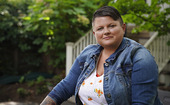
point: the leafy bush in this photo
(34, 32)
(57, 22)
(17, 52)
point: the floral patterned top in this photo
(91, 90)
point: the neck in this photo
(107, 52)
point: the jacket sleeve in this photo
(144, 78)
(66, 88)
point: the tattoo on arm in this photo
(48, 101)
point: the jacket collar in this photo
(96, 53)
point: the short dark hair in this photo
(108, 11)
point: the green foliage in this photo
(31, 29)
(38, 86)
(21, 80)
(22, 92)
(11, 29)
(146, 17)
(57, 78)
(57, 22)
(30, 83)
(40, 79)
(41, 89)
(15, 42)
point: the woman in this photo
(116, 71)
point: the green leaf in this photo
(27, 18)
(45, 46)
(21, 80)
(44, 18)
(35, 27)
(79, 10)
(38, 41)
(24, 46)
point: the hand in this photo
(48, 101)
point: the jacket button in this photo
(106, 78)
(108, 95)
(106, 64)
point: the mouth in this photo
(108, 37)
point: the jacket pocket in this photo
(123, 74)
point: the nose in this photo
(106, 31)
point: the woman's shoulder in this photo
(90, 48)
(133, 45)
(132, 42)
(88, 51)
(136, 48)
(138, 51)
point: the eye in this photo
(112, 25)
(98, 29)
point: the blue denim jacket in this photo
(130, 76)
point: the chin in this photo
(107, 45)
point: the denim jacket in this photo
(130, 75)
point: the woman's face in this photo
(108, 32)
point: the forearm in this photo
(48, 101)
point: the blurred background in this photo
(34, 34)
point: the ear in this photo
(124, 26)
